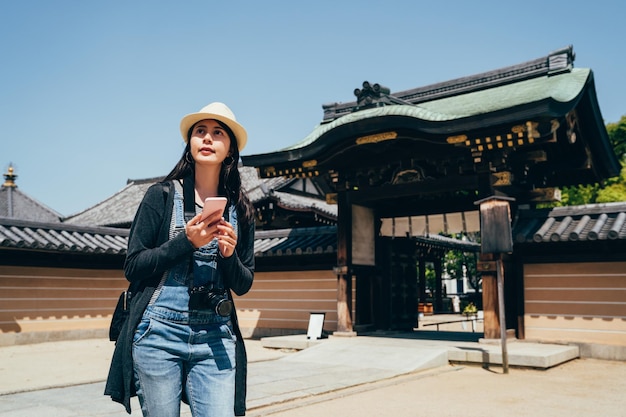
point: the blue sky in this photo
(92, 92)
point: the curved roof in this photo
(542, 97)
(561, 88)
(443, 120)
(535, 125)
(303, 203)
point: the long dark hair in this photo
(230, 179)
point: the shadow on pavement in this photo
(429, 335)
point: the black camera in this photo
(204, 298)
(208, 290)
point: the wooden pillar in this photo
(491, 313)
(438, 283)
(343, 269)
(495, 239)
(344, 304)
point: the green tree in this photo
(613, 189)
(617, 136)
(458, 264)
(577, 195)
(431, 277)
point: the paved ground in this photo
(362, 376)
(581, 388)
(74, 362)
(66, 378)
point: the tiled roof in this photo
(299, 202)
(18, 205)
(100, 228)
(556, 62)
(564, 87)
(63, 238)
(446, 243)
(59, 237)
(257, 188)
(119, 209)
(323, 239)
(302, 241)
(589, 222)
(116, 211)
(562, 224)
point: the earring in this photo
(188, 157)
(228, 161)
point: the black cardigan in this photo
(151, 253)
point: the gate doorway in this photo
(399, 290)
(396, 281)
(440, 149)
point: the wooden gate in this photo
(396, 302)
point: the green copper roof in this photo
(409, 111)
(563, 88)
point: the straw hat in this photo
(215, 111)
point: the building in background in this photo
(347, 217)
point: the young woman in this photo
(181, 340)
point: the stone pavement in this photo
(66, 378)
(578, 388)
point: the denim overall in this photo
(180, 352)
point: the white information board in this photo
(316, 324)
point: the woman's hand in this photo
(201, 232)
(226, 238)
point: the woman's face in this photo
(209, 143)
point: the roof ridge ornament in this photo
(561, 60)
(371, 95)
(9, 178)
(556, 62)
(375, 95)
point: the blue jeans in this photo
(173, 353)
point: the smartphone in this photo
(213, 204)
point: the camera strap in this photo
(189, 198)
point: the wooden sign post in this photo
(496, 239)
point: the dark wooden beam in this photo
(435, 186)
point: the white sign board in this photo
(316, 324)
